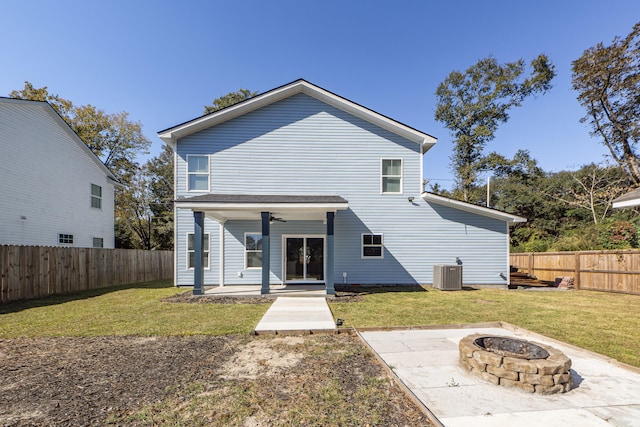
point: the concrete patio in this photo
(605, 393)
(304, 290)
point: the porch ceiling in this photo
(224, 207)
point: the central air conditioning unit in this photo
(447, 277)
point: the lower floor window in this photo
(253, 250)
(191, 255)
(372, 245)
(65, 238)
(98, 242)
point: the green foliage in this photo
(618, 234)
(472, 105)
(607, 79)
(228, 100)
(160, 174)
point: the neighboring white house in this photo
(627, 200)
(53, 190)
(320, 190)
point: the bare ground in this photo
(232, 380)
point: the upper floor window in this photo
(198, 173)
(391, 176)
(191, 253)
(96, 196)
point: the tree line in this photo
(567, 210)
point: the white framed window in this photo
(391, 176)
(372, 245)
(98, 242)
(65, 239)
(191, 254)
(96, 196)
(252, 250)
(197, 173)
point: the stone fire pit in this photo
(511, 362)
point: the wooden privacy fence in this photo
(612, 271)
(28, 272)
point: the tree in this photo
(228, 100)
(472, 105)
(607, 79)
(592, 188)
(159, 172)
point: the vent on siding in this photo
(447, 277)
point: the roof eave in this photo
(468, 207)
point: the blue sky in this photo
(162, 61)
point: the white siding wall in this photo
(46, 177)
(303, 146)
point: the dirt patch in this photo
(237, 380)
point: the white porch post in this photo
(221, 255)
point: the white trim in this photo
(199, 173)
(468, 207)
(175, 220)
(221, 254)
(382, 159)
(171, 135)
(244, 250)
(626, 203)
(284, 257)
(372, 245)
(207, 250)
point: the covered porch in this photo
(314, 252)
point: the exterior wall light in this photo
(410, 198)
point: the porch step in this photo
(297, 314)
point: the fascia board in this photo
(626, 204)
(472, 208)
(262, 207)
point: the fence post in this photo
(576, 280)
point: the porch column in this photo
(198, 253)
(328, 280)
(266, 258)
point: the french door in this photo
(304, 258)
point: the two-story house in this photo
(53, 190)
(300, 185)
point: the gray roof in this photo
(262, 198)
(631, 195)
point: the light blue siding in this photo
(301, 146)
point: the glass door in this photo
(304, 259)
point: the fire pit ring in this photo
(512, 362)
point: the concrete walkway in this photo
(297, 314)
(606, 393)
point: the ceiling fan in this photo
(273, 218)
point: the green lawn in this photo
(606, 323)
(130, 310)
(602, 322)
